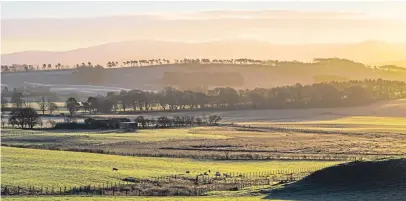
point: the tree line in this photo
(134, 63)
(18, 101)
(151, 62)
(329, 94)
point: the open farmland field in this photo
(61, 107)
(131, 198)
(256, 142)
(204, 198)
(386, 109)
(29, 167)
(91, 137)
(351, 124)
(347, 137)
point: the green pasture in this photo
(34, 167)
(203, 198)
(69, 137)
(347, 124)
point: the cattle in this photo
(115, 169)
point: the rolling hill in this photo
(381, 180)
(365, 52)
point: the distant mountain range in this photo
(369, 52)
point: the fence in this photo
(174, 185)
(221, 154)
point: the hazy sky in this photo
(61, 9)
(62, 26)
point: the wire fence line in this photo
(221, 154)
(173, 185)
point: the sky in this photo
(63, 26)
(61, 9)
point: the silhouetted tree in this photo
(17, 99)
(42, 104)
(72, 105)
(52, 107)
(24, 117)
(4, 103)
(331, 94)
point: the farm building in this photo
(128, 125)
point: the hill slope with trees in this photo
(197, 75)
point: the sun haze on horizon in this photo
(52, 26)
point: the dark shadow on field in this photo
(381, 180)
(50, 141)
(70, 131)
(348, 196)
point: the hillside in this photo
(381, 180)
(195, 76)
(366, 52)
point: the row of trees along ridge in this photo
(152, 62)
(331, 94)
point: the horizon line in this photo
(214, 41)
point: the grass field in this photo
(106, 198)
(351, 136)
(351, 123)
(255, 133)
(386, 109)
(94, 137)
(256, 198)
(61, 107)
(25, 167)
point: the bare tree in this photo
(4, 103)
(42, 104)
(52, 107)
(24, 117)
(17, 99)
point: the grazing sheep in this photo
(115, 169)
